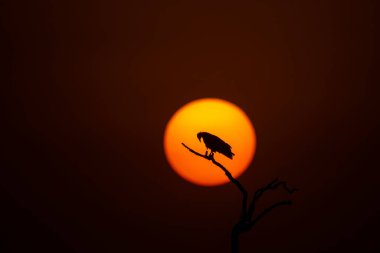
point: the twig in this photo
(267, 210)
(271, 186)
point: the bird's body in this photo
(215, 144)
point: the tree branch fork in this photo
(247, 219)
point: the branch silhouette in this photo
(247, 219)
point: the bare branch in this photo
(286, 187)
(230, 177)
(195, 152)
(266, 211)
(246, 222)
(271, 186)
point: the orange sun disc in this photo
(220, 118)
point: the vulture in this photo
(215, 144)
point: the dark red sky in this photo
(88, 89)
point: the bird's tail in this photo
(230, 155)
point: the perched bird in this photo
(215, 144)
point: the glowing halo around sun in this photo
(218, 117)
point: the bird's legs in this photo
(211, 153)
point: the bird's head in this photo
(200, 135)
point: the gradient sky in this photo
(90, 85)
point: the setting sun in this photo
(220, 118)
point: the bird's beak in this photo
(199, 138)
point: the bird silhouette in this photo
(215, 144)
